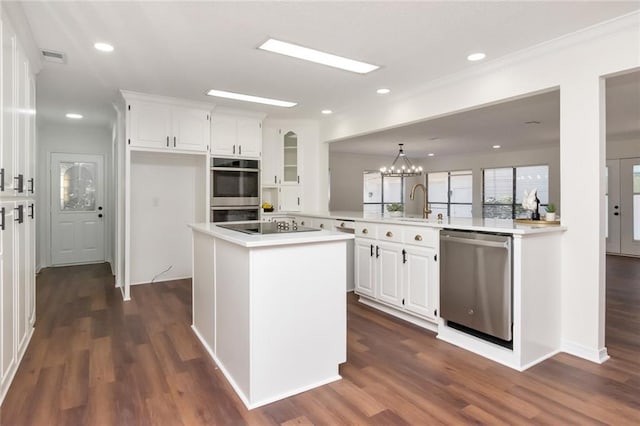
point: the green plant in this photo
(551, 208)
(395, 207)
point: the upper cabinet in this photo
(236, 135)
(281, 163)
(165, 124)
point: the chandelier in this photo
(401, 166)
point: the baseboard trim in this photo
(399, 314)
(576, 349)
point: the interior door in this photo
(77, 213)
(613, 206)
(630, 206)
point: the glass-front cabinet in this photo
(290, 158)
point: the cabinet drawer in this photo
(366, 230)
(390, 233)
(425, 237)
(344, 224)
(326, 224)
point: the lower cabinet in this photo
(403, 275)
(17, 285)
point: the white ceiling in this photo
(182, 49)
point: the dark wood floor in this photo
(95, 360)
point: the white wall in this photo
(167, 194)
(346, 173)
(74, 138)
(576, 64)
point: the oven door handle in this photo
(235, 208)
(234, 169)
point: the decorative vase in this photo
(550, 216)
(395, 214)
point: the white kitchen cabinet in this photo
(289, 198)
(159, 123)
(270, 165)
(396, 266)
(236, 136)
(389, 273)
(320, 223)
(364, 267)
(419, 277)
(17, 230)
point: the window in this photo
(378, 191)
(450, 193)
(504, 188)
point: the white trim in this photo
(293, 392)
(161, 280)
(137, 96)
(594, 355)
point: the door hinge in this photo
(403, 302)
(298, 200)
(207, 117)
(435, 313)
(2, 224)
(435, 257)
(2, 179)
(129, 107)
(260, 125)
(129, 141)
(279, 131)
(404, 256)
(298, 179)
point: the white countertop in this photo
(252, 240)
(508, 226)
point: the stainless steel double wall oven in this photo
(235, 189)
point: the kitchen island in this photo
(271, 309)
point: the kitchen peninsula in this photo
(271, 309)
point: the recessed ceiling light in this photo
(476, 56)
(496, 147)
(326, 111)
(383, 91)
(431, 154)
(250, 98)
(312, 55)
(73, 115)
(103, 47)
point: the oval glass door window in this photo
(77, 186)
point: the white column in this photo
(582, 153)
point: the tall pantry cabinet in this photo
(17, 202)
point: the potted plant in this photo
(551, 212)
(395, 209)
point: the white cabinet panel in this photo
(364, 267)
(419, 273)
(290, 199)
(223, 135)
(249, 137)
(389, 288)
(9, 108)
(270, 157)
(21, 273)
(190, 129)
(149, 124)
(7, 293)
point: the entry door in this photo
(77, 214)
(623, 231)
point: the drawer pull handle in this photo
(365, 231)
(418, 237)
(389, 234)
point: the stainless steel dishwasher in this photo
(475, 284)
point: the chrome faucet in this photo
(425, 207)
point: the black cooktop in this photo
(267, 228)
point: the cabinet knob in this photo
(342, 225)
(365, 231)
(389, 234)
(322, 226)
(302, 223)
(418, 237)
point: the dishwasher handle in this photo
(474, 242)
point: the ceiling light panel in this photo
(476, 56)
(326, 111)
(103, 47)
(250, 98)
(383, 91)
(312, 55)
(73, 116)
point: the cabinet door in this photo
(389, 288)
(7, 293)
(20, 141)
(290, 157)
(20, 267)
(365, 267)
(31, 265)
(290, 199)
(9, 108)
(149, 124)
(271, 158)
(190, 129)
(420, 281)
(249, 137)
(31, 156)
(223, 135)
